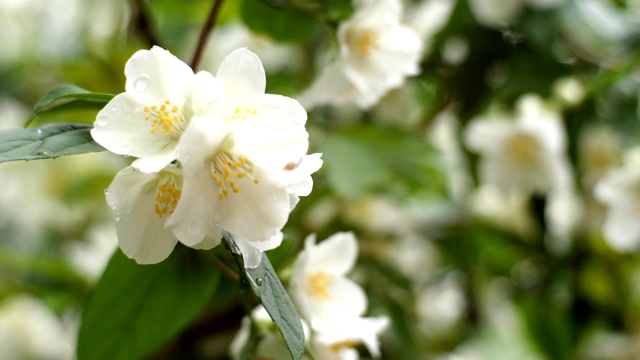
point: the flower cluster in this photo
(212, 151)
(331, 305)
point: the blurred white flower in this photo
(427, 18)
(230, 36)
(441, 305)
(377, 53)
(599, 151)
(332, 303)
(564, 213)
(162, 95)
(569, 90)
(245, 165)
(510, 211)
(620, 191)
(526, 154)
(495, 13)
(90, 257)
(270, 344)
(30, 330)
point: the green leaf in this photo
(82, 98)
(49, 141)
(70, 92)
(135, 309)
(266, 286)
(284, 24)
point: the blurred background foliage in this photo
(463, 272)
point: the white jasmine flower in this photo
(30, 330)
(377, 53)
(620, 191)
(270, 344)
(161, 96)
(245, 164)
(525, 155)
(143, 204)
(332, 303)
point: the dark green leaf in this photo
(69, 92)
(282, 24)
(266, 286)
(135, 309)
(79, 99)
(47, 142)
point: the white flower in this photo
(270, 344)
(30, 330)
(162, 95)
(620, 191)
(377, 53)
(502, 12)
(332, 303)
(526, 155)
(143, 204)
(245, 164)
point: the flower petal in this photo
(258, 211)
(141, 232)
(242, 76)
(201, 140)
(193, 218)
(336, 255)
(156, 75)
(270, 143)
(121, 128)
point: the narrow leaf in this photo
(46, 142)
(69, 92)
(266, 286)
(135, 309)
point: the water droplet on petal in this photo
(106, 191)
(118, 216)
(102, 121)
(259, 281)
(39, 132)
(141, 83)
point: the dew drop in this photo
(118, 216)
(141, 83)
(106, 191)
(259, 281)
(43, 153)
(102, 121)
(39, 132)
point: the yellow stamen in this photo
(226, 168)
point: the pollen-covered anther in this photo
(319, 284)
(362, 41)
(168, 194)
(165, 119)
(242, 114)
(227, 169)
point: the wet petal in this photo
(156, 75)
(141, 232)
(121, 128)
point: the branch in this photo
(207, 29)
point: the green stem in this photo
(206, 31)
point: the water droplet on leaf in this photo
(259, 281)
(141, 83)
(42, 153)
(39, 132)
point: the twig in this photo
(207, 29)
(141, 25)
(226, 271)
